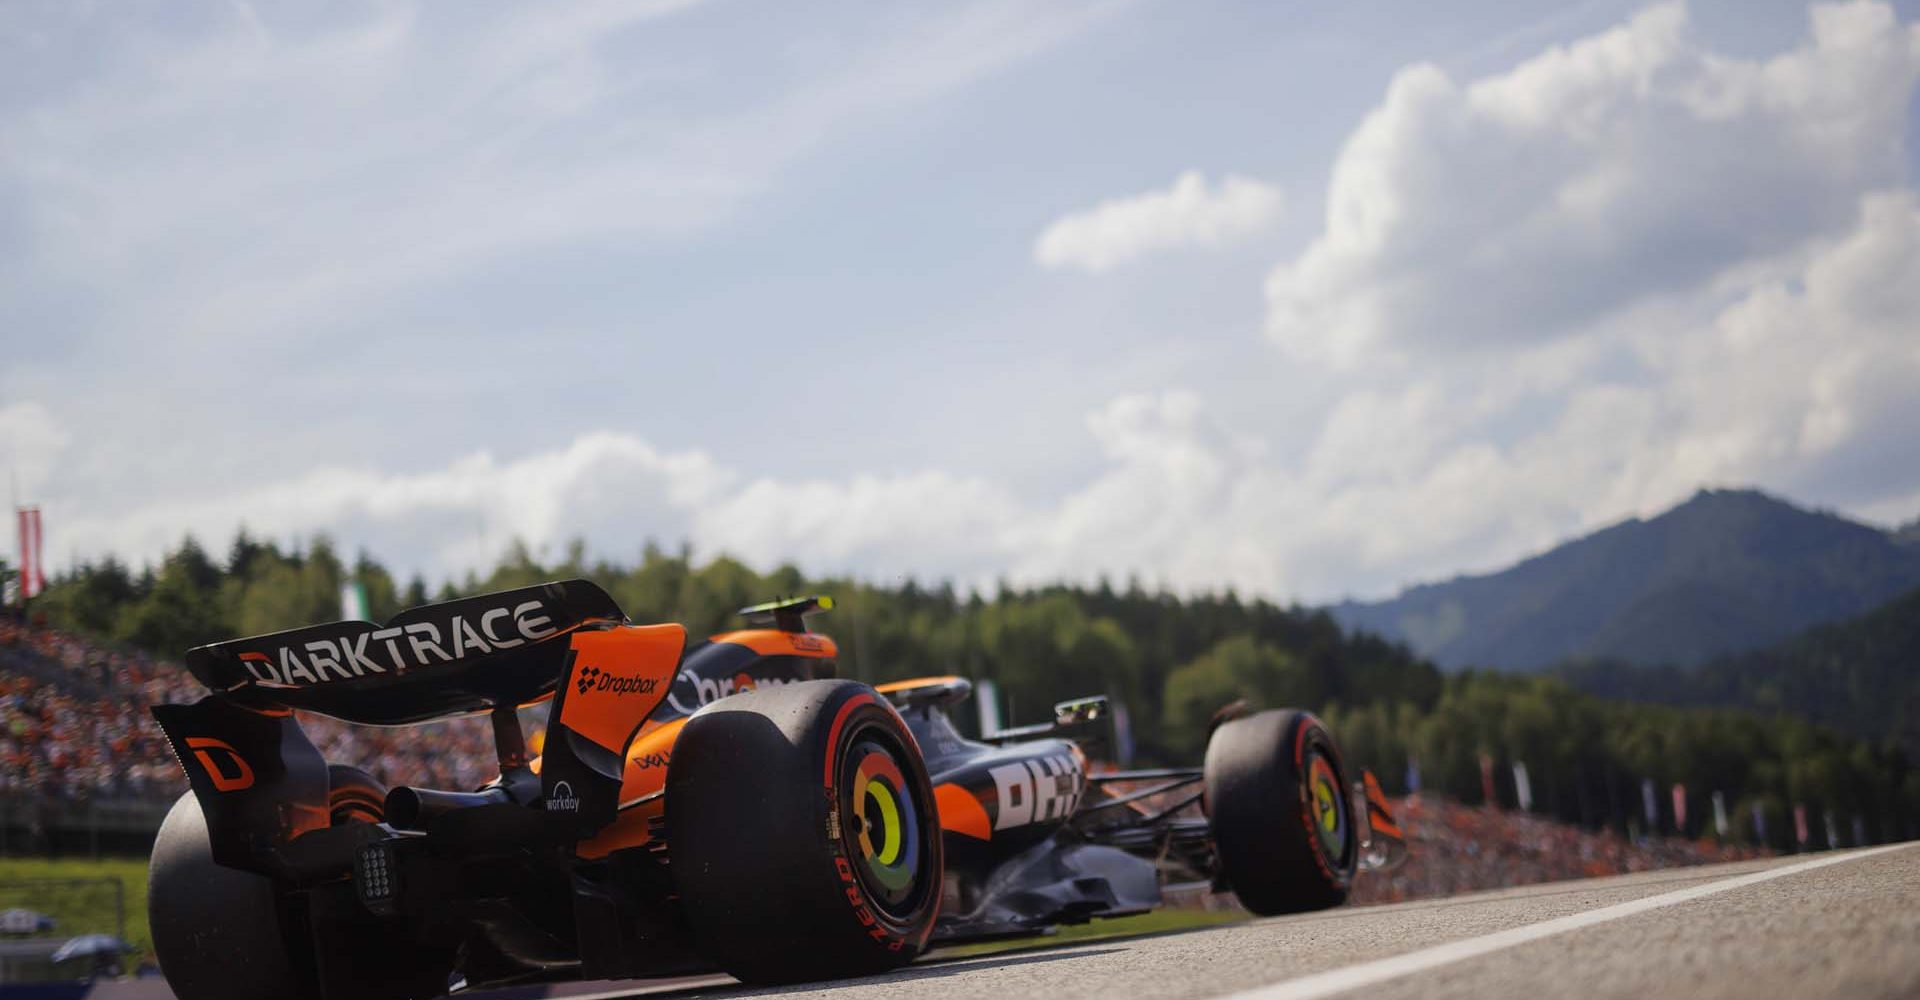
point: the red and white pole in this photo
(33, 573)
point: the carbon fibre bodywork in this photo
(1017, 862)
(559, 868)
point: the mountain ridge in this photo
(1855, 675)
(1725, 571)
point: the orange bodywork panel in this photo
(641, 792)
(960, 812)
(644, 779)
(908, 685)
(619, 675)
(774, 642)
(1379, 817)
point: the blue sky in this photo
(1307, 299)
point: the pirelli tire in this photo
(802, 834)
(1281, 818)
(216, 930)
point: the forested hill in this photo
(1726, 571)
(1860, 676)
(1172, 660)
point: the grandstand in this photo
(86, 770)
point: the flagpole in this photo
(13, 505)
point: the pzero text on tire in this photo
(1280, 813)
(802, 834)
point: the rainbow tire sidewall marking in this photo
(886, 821)
(889, 839)
(1328, 806)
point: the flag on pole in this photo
(33, 564)
(1650, 800)
(1759, 823)
(353, 602)
(1859, 831)
(1833, 831)
(1720, 815)
(1486, 781)
(1413, 774)
(1680, 809)
(987, 700)
(1800, 834)
(1522, 788)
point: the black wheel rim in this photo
(1327, 808)
(885, 822)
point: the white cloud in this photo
(613, 488)
(1156, 508)
(1816, 373)
(882, 525)
(1697, 270)
(30, 443)
(1186, 214)
(1624, 167)
(1802, 385)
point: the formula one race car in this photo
(722, 805)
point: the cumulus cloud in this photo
(868, 523)
(614, 488)
(1801, 384)
(1697, 270)
(1816, 372)
(1626, 166)
(1186, 214)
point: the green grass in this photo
(1157, 922)
(79, 909)
(82, 910)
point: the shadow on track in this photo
(912, 973)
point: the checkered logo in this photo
(586, 679)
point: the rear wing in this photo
(429, 662)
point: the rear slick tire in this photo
(216, 930)
(1282, 819)
(802, 835)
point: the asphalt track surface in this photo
(1841, 924)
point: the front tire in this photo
(802, 833)
(1282, 820)
(216, 930)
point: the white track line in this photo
(1325, 984)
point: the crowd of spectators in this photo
(1456, 848)
(74, 725)
(457, 753)
(74, 722)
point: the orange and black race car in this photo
(720, 805)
